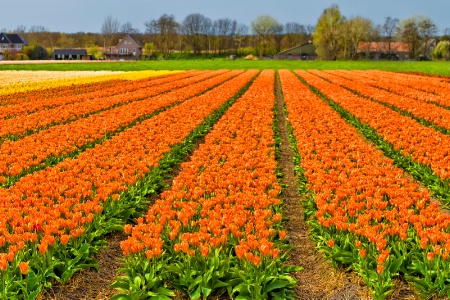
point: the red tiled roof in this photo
(382, 47)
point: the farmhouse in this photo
(11, 44)
(62, 54)
(380, 50)
(128, 48)
(306, 51)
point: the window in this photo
(5, 46)
(123, 50)
(18, 46)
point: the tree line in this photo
(338, 37)
(335, 36)
(165, 36)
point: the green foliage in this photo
(149, 49)
(326, 38)
(35, 52)
(95, 51)
(442, 51)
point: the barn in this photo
(306, 51)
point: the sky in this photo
(88, 15)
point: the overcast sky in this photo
(88, 15)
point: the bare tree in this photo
(110, 28)
(278, 35)
(225, 29)
(127, 28)
(388, 29)
(38, 28)
(196, 29)
(427, 29)
(408, 32)
(310, 29)
(241, 33)
(165, 30)
(21, 29)
(37, 34)
(417, 30)
(295, 34)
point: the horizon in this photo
(88, 17)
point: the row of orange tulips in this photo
(423, 144)
(368, 213)
(430, 89)
(429, 112)
(223, 203)
(49, 208)
(107, 89)
(418, 89)
(39, 82)
(21, 125)
(66, 91)
(18, 156)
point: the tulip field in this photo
(87, 154)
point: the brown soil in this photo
(90, 284)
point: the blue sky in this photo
(88, 15)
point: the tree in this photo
(264, 27)
(427, 29)
(95, 51)
(225, 30)
(127, 28)
(36, 34)
(415, 31)
(278, 35)
(241, 33)
(358, 29)
(35, 52)
(109, 29)
(442, 50)
(196, 29)
(446, 35)
(295, 34)
(408, 32)
(388, 30)
(21, 29)
(165, 31)
(149, 49)
(326, 36)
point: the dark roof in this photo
(306, 48)
(12, 38)
(70, 52)
(134, 39)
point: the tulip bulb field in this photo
(186, 164)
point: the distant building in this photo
(306, 51)
(380, 50)
(425, 50)
(11, 44)
(65, 54)
(128, 48)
